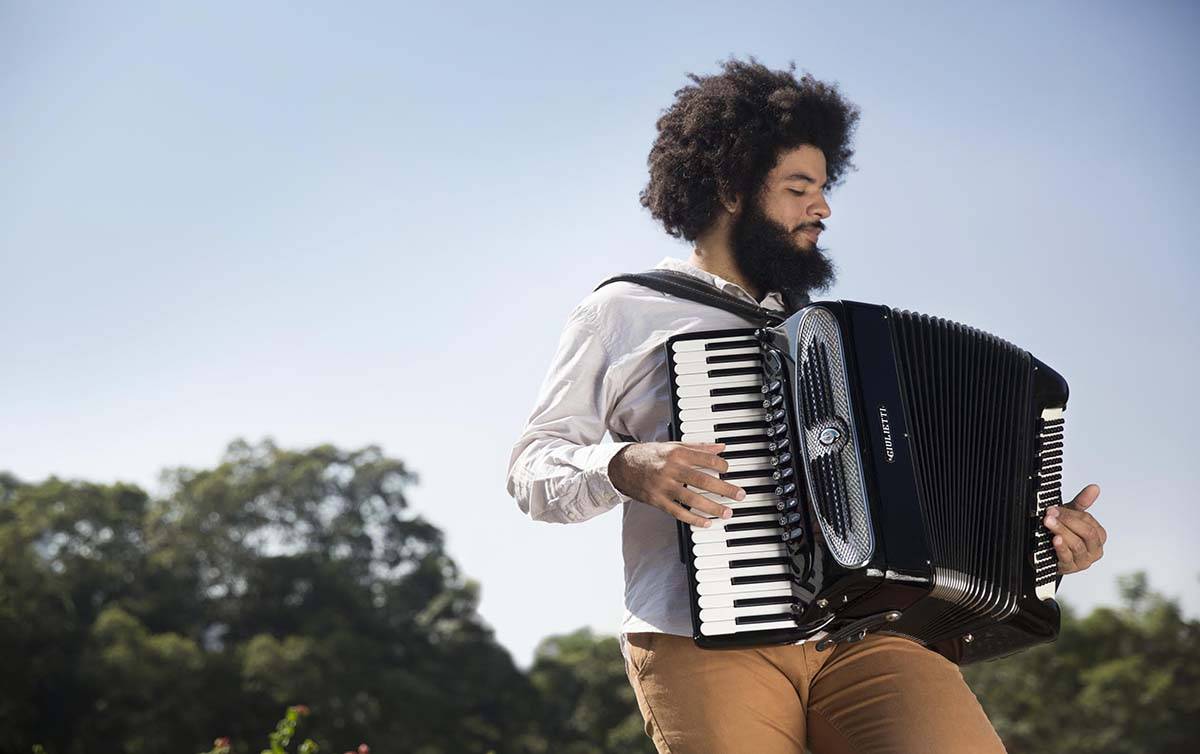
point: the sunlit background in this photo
(367, 223)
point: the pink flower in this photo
(223, 741)
(301, 709)
(364, 749)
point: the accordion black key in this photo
(897, 468)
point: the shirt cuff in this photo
(599, 484)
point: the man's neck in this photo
(715, 257)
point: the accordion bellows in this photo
(897, 468)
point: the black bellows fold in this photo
(967, 394)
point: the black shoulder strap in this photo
(685, 286)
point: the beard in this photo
(771, 258)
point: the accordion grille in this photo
(968, 398)
(835, 476)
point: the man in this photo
(740, 169)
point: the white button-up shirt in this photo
(609, 374)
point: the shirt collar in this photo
(771, 301)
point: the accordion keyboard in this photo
(1049, 493)
(726, 392)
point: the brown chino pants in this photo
(883, 694)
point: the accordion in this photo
(897, 468)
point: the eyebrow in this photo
(801, 177)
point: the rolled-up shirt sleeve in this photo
(558, 470)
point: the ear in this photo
(731, 204)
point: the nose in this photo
(821, 208)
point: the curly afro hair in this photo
(725, 133)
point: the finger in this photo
(679, 512)
(1066, 558)
(701, 480)
(699, 502)
(707, 447)
(696, 456)
(1070, 547)
(703, 447)
(1083, 524)
(1085, 498)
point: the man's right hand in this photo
(656, 473)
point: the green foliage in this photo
(281, 737)
(145, 625)
(588, 704)
(1120, 681)
(137, 625)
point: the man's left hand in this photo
(1078, 537)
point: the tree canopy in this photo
(1121, 680)
(279, 576)
(138, 624)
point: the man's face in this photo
(774, 237)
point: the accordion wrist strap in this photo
(685, 286)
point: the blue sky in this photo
(367, 225)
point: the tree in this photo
(588, 706)
(279, 576)
(1122, 680)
